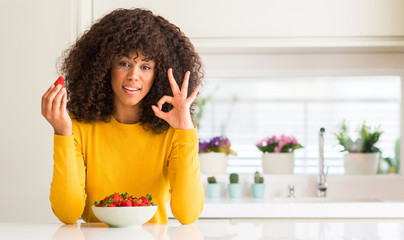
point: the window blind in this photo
(247, 110)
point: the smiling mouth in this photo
(130, 90)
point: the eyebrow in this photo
(145, 59)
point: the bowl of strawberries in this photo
(123, 210)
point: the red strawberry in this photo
(110, 205)
(99, 205)
(126, 202)
(116, 199)
(136, 202)
(60, 81)
(107, 200)
(145, 200)
(144, 204)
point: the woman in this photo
(124, 121)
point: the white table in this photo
(214, 229)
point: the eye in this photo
(124, 64)
(145, 67)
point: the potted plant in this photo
(214, 188)
(213, 155)
(258, 187)
(235, 188)
(362, 155)
(278, 154)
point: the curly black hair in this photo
(86, 65)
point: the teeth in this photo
(131, 89)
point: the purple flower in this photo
(216, 144)
(203, 146)
(221, 142)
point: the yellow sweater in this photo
(102, 158)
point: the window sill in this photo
(386, 187)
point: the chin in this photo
(132, 102)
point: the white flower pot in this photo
(213, 163)
(361, 163)
(278, 163)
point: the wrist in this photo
(66, 132)
(185, 126)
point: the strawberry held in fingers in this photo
(60, 81)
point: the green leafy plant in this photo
(212, 180)
(365, 141)
(233, 178)
(258, 178)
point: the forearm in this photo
(187, 195)
(67, 194)
(187, 198)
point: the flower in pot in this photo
(213, 155)
(214, 188)
(278, 154)
(258, 187)
(235, 188)
(362, 155)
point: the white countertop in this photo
(212, 229)
(301, 208)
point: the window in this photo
(249, 109)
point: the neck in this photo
(125, 119)
(127, 114)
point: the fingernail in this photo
(59, 86)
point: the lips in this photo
(131, 89)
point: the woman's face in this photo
(131, 79)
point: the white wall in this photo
(33, 35)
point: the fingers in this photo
(51, 100)
(164, 99)
(63, 105)
(194, 94)
(159, 113)
(56, 103)
(44, 97)
(173, 83)
(184, 88)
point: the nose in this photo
(133, 73)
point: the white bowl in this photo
(124, 216)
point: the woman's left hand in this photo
(179, 116)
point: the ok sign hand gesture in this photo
(179, 116)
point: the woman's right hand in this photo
(54, 110)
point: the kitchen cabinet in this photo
(273, 18)
(234, 26)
